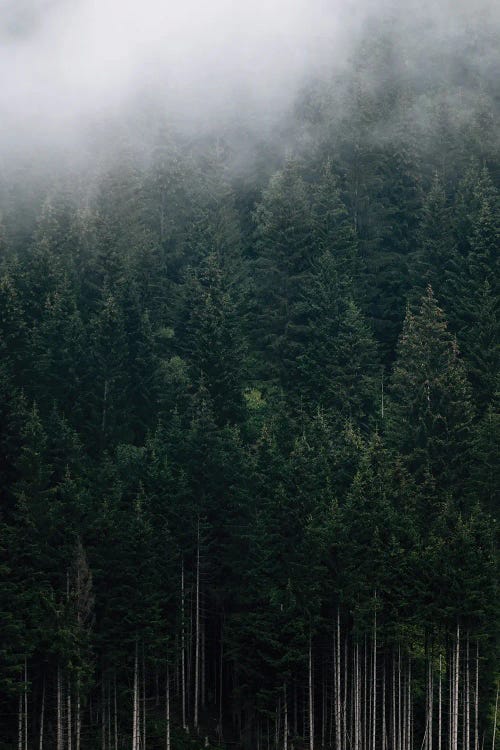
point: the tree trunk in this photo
(440, 703)
(285, 726)
(495, 717)
(338, 697)
(455, 693)
(42, 718)
(20, 723)
(311, 699)
(144, 713)
(78, 718)
(25, 698)
(197, 631)
(59, 730)
(103, 713)
(115, 712)
(374, 679)
(476, 702)
(135, 717)
(167, 711)
(467, 698)
(183, 649)
(69, 719)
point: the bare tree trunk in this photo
(430, 702)
(467, 698)
(338, 729)
(495, 717)
(203, 667)
(384, 721)
(394, 722)
(365, 697)
(167, 711)
(285, 724)
(476, 702)
(183, 649)
(20, 723)
(59, 731)
(143, 700)
(440, 706)
(42, 718)
(103, 713)
(69, 719)
(408, 729)
(399, 701)
(374, 678)
(311, 698)
(455, 694)
(344, 702)
(135, 718)
(78, 718)
(25, 695)
(323, 710)
(115, 711)
(451, 680)
(221, 672)
(197, 633)
(357, 707)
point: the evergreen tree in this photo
(430, 411)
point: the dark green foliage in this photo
(220, 441)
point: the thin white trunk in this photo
(365, 697)
(78, 720)
(183, 649)
(42, 717)
(440, 703)
(285, 726)
(408, 729)
(143, 701)
(167, 712)
(455, 694)
(69, 717)
(357, 729)
(20, 723)
(135, 718)
(103, 713)
(115, 702)
(323, 711)
(59, 730)
(476, 702)
(311, 699)
(467, 698)
(400, 734)
(344, 699)
(337, 687)
(430, 702)
(203, 667)
(495, 717)
(374, 679)
(25, 696)
(394, 723)
(197, 631)
(384, 723)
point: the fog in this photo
(70, 65)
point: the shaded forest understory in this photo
(249, 431)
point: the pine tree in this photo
(284, 253)
(430, 411)
(211, 340)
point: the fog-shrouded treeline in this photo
(249, 425)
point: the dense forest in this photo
(249, 424)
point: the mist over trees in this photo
(249, 417)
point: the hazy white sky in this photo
(65, 64)
(63, 60)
